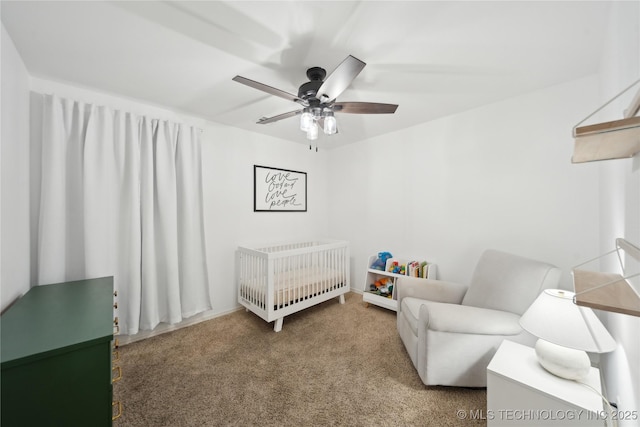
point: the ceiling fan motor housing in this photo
(309, 90)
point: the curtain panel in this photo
(121, 195)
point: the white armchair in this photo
(451, 331)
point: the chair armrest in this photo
(464, 319)
(432, 290)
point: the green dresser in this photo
(56, 356)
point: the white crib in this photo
(279, 280)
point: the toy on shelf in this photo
(381, 262)
(382, 286)
(397, 268)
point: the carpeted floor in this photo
(331, 365)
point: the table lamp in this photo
(565, 333)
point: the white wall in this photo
(620, 203)
(498, 177)
(228, 158)
(15, 250)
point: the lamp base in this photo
(562, 361)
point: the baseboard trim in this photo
(165, 327)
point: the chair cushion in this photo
(507, 282)
(460, 319)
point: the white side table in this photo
(520, 392)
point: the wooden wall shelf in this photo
(617, 139)
(605, 141)
(608, 291)
(616, 296)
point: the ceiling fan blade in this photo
(265, 120)
(270, 90)
(364, 108)
(340, 79)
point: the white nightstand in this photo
(521, 392)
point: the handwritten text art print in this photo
(279, 190)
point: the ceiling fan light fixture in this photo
(312, 132)
(330, 124)
(306, 120)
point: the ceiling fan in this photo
(318, 98)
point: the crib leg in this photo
(341, 298)
(277, 327)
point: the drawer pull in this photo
(115, 304)
(115, 417)
(115, 357)
(115, 320)
(116, 330)
(119, 377)
(116, 344)
(115, 293)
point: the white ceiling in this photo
(433, 58)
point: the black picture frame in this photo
(279, 190)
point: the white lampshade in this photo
(565, 332)
(555, 318)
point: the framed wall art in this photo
(279, 190)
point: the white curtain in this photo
(121, 196)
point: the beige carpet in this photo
(330, 365)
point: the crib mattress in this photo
(293, 285)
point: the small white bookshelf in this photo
(426, 270)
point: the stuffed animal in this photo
(381, 262)
(382, 282)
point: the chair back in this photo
(507, 282)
